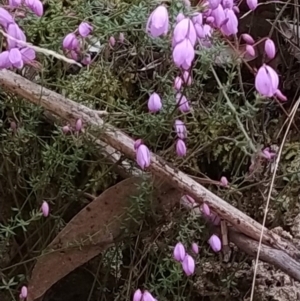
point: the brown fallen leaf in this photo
(90, 232)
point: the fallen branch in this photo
(116, 139)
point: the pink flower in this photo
(14, 3)
(183, 103)
(177, 83)
(219, 16)
(266, 81)
(215, 243)
(180, 148)
(36, 6)
(137, 295)
(154, 103)
(180, 129)
(205, 209)
(198, 19)
(270, 49)
(45, 208)
(195, 248)
(179, 252)
(213, 4)
(179, 17)
(78, 125)
(158, 22)
(143, 156)
(70, 42)
(112, 41)
(187, 78)
(268, 154)
(24, 292)
(15, 31)
(228, 4)
(85, 29)
(15, 58)
(188, 265)
(28, 54)
(184, 30)
(224, 181)
(247, 38)
(250, 50)
(231, 26)
(184, 54)
(5, 18)
(4, 60)
(252, 4)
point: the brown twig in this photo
(116, 139)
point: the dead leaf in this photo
(90, 232)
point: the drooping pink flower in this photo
(215, 243)
(85, 29)
(15, 58)
(15, 31)
(247, 38)
(5, 18)
(266, 81)
(70, 42)
(270, 48)
(188, 265)
(187, 78)
(14, 3)
(177, 83)
(195, 248)
(180, 148)
(179, 252)
(183, 103)
(45, 208)
(24, 292)
(184, 30)
(252, 4)
(180, 128)
(250, 50)
(205, 209)
(154, 103)
(36, 6)
(183, 54)
(143, 156)
(219, 16)
(137, 296)
(213, 4)
(28, 54)
(231, 26)
(158, 22)
(224, 181)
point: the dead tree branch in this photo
(117, 140)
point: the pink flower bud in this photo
(85, 29)
(78, 125)
(70, 42)
(16, 32)
(266, 81)
(188, 265)
(158, 22)
(180, 148)
(215, 243)
(15, 58)
(250, 50)
(187, 78)
(228, 3)
(231, 26)
(45, 208)
(197, 19)
(184, 30)
(137, 143)
(183, 103)
(280, 96)
(270, 48)
(66, 129)
(247, 38)
(179, 17)
(219, 15)
(143, 156)
(195, 248)
(36, 6)
(205, 209)
(177, 83)
(252, 4)
(137, 295)
(154, 103)
(179, 252)
(180, 128)
(112, 41)
(24, 292)
(14, 3)
(224, 181)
